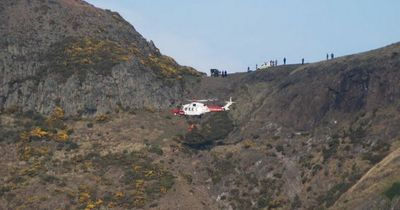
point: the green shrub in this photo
(154, 148)
(216, 127)
(393, 191)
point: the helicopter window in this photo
(185, 109)
(194, 104)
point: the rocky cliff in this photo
(68, 53)
(314, 136)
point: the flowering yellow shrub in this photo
(90, 206)
(84, 197)
(99, 202)
(149, 173)
(24, 135)
(111, 205)
(248, 144)
(90, 51)
(119, 194)
(42, 151)
(139, 184)
(136, 168)
(102, 118)
(139, 201)
(169, 67)
(26, 153)
(163, 190)
(58, 113)
(62, 136)
(38, 132)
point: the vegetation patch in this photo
(141, 181)
(393, 191)
(214, 128)
(167, 67)
(80, 55)
(333, 194)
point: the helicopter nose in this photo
(175, 111)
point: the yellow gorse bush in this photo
(84, 197)
(139, 184)
(90, 206)
(38, 132)
(62, 136)
(89, 51)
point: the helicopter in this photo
(198, 108)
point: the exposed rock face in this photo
(87, 60)
(320, 128)
(315, 93)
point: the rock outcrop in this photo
(68, 53)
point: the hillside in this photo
(85, 123)
(87, 60)
(322, 125)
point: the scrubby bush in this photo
(393, 191)
(216, 127)
(155, 148)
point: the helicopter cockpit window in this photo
(194, 104)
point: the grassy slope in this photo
(367, 192)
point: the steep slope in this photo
(319, 127)
(315, 136)
(373, 190)
(87, 60)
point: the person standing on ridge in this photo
(284, 61)
(302, 61)
(327, 56)
(332, 56)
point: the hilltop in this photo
(87, 60)
(85, 123)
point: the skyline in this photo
(232, 35)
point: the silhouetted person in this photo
(332, 56)
(284, 61)
(327, 56)
(256, 67)
(248, 69)
(302, 61)
(276, 62)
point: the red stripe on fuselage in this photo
(215, 108)
(178, 112)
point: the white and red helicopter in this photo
(197, 108)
